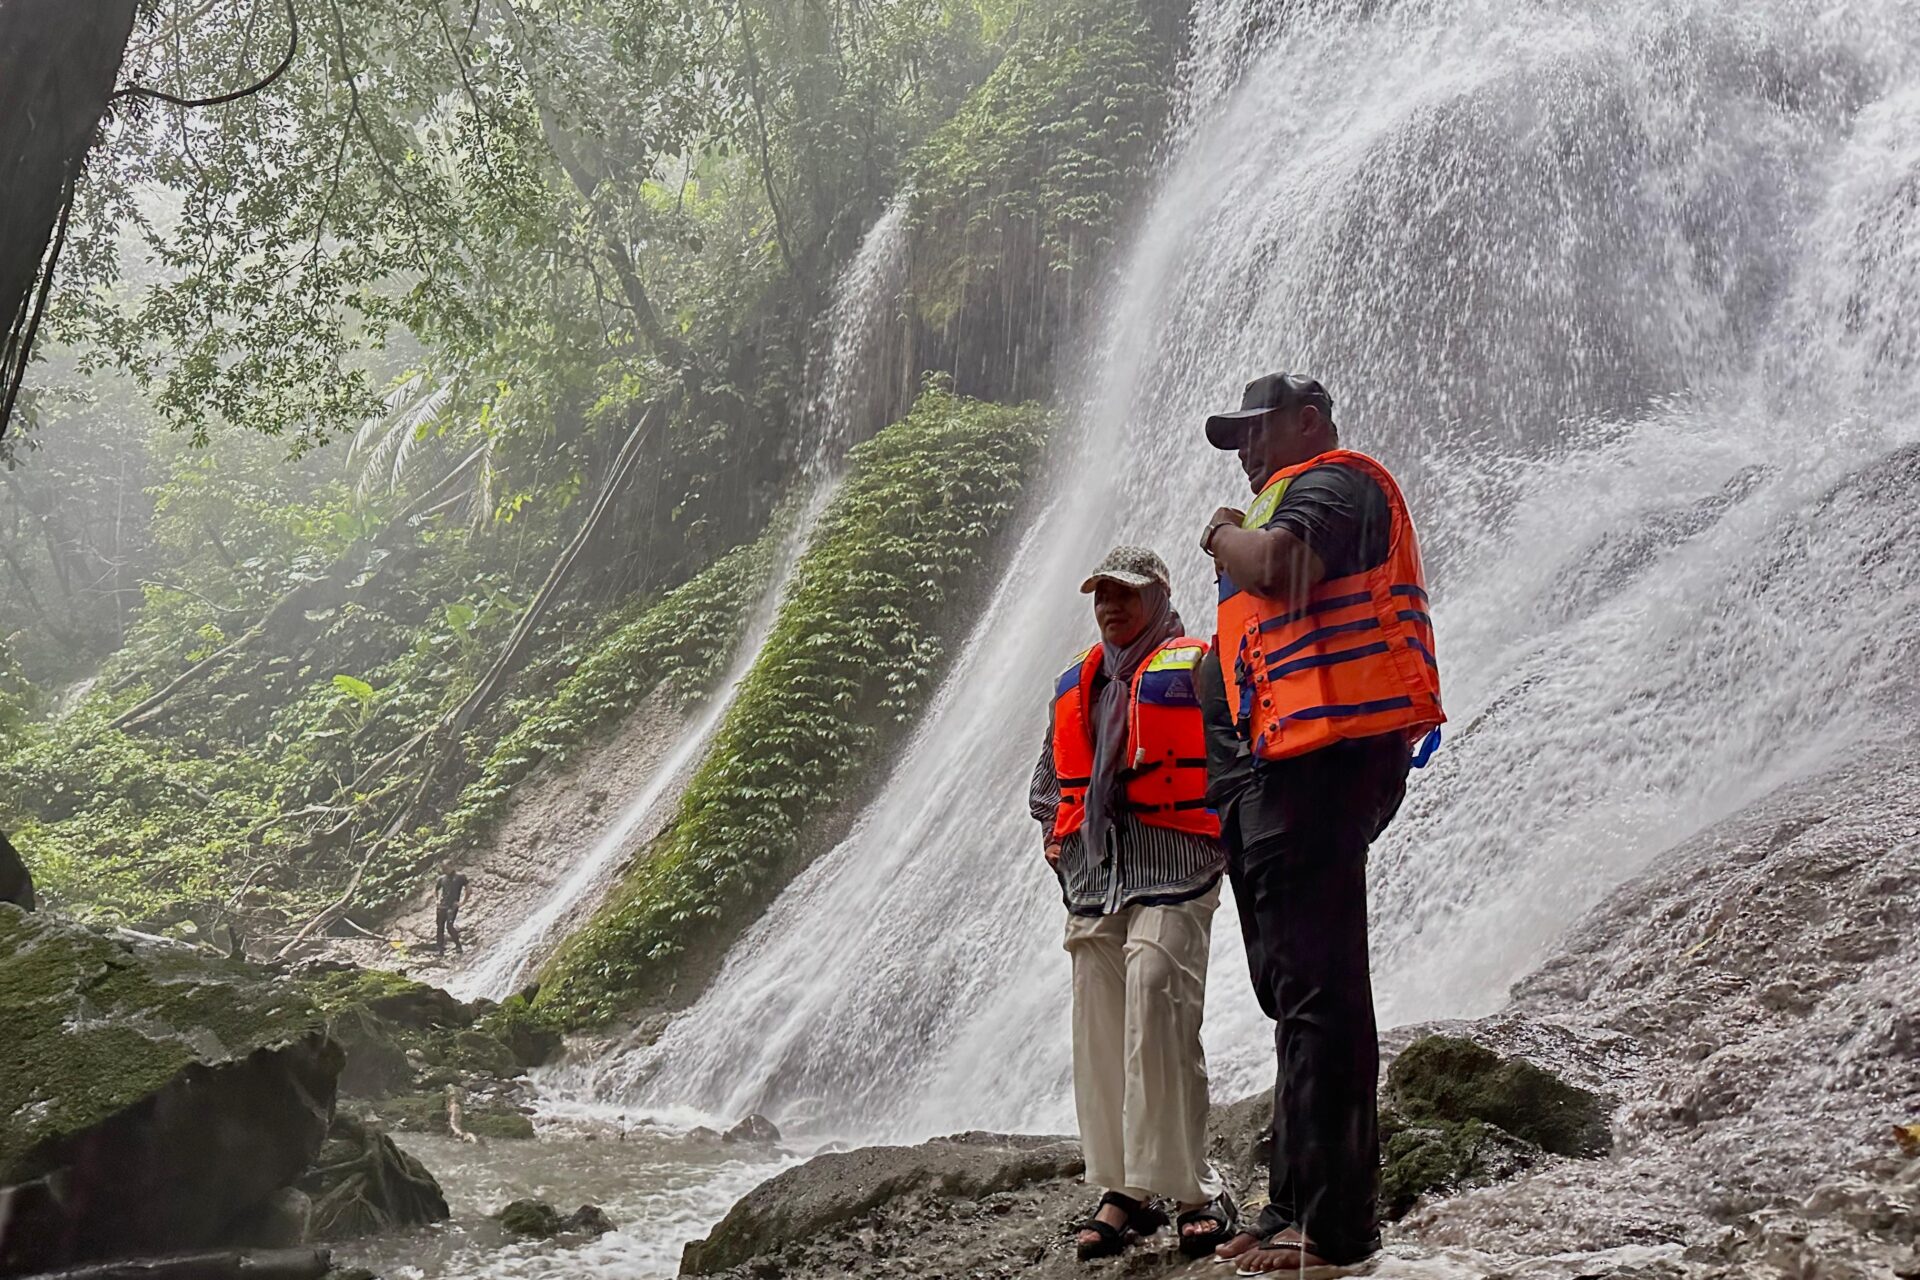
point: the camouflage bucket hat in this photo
(1131, 566)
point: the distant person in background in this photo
(451, 889)
(16, 884)
(1120, 795)
(1322, 680)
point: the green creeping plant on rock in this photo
(856, 651)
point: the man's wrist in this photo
(1213, 531)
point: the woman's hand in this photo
(1053, 854)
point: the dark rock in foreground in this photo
(1455, 1114)
(539, 1219)
(362, 1183)
(281, 1264)
(152, 1097)
(16, 882)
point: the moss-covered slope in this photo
(856, 651)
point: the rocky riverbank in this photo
(1750, 1012)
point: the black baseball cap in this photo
(1274, 393)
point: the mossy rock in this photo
(151, 1095)
(1443, 1156)
(427, 1113)
(1453, 1079)
(395, 997)
(497, 1122)
(414, 1112)
(529, 1034)
(541, 1220)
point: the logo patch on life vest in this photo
(1262, 509)
(1176, 658)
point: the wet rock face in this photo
(151, 1098)
(1754, 996)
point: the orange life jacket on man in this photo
(1355, 660)
(1165, 774)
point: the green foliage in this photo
(1029, 179)
(16, 702)
(854, 654)
(680, 644)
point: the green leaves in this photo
(359, 690)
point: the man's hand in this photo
(1224, 516)
(1053, 854)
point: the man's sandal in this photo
(1301, 1247)
(1142, 1219)
(1222, 1211)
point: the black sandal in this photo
(1142, 1220)
(1222, 1210)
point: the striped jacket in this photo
(1148, 866)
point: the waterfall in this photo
(858, 325)
(1628, 295)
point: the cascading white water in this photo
(865, 302)
(1628, 293)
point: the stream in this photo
(660, 1187)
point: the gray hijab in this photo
(1109, 711)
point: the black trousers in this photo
(1302, 898)
(443, 925)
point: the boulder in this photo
(832, 1190)
(1455, 1114)
(531, 1040)
(152, 1097)
(755, 1130)
(362, 1184)
(539, 1219)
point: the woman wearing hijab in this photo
(1120, 793)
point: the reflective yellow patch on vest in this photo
(1176, 659)
(1262, 509)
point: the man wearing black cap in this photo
(1321, 679)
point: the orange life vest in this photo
(1355, 660)
(1165, 774)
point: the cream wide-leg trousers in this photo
(1139, 1073)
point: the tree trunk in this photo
(58, 60)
